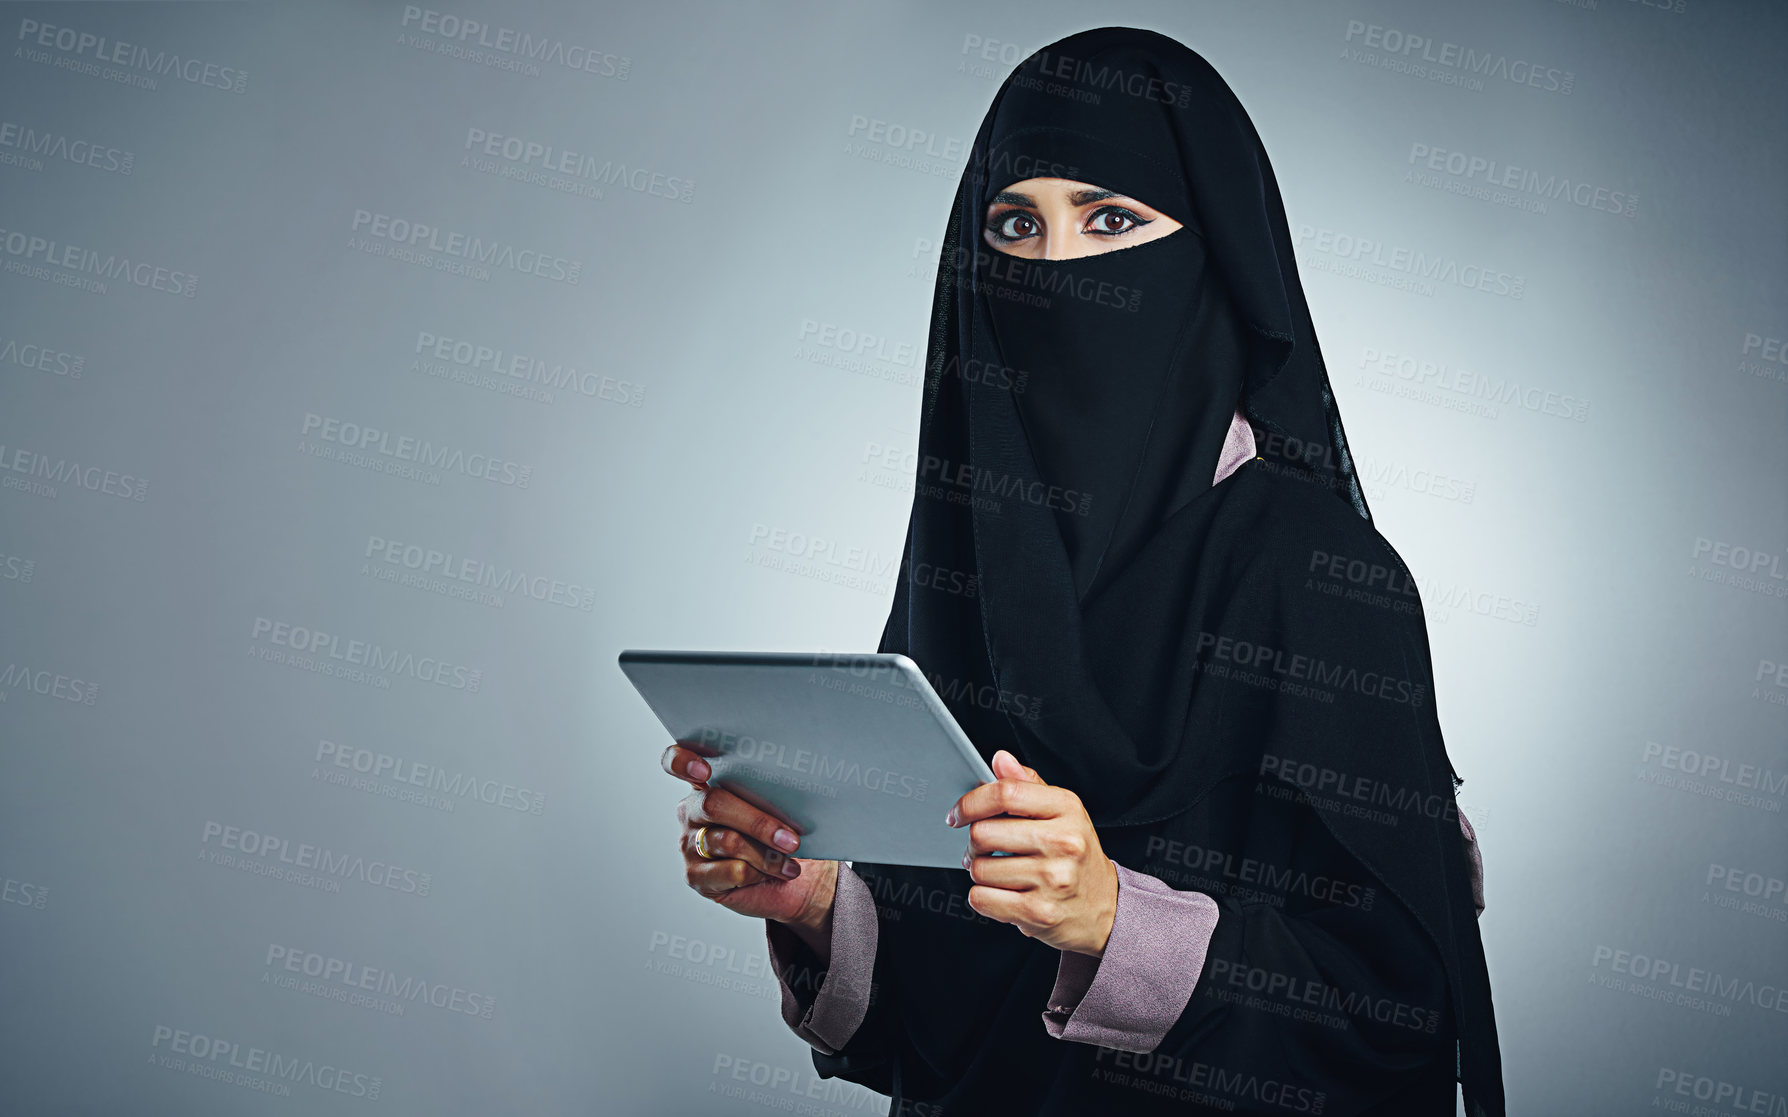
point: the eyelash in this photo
(1000, 219)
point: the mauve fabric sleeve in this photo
(1130, 997)
(1238, 446)
(828, 1019)
(1476, 858)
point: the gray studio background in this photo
(674, 409)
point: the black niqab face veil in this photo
(1155, 643)
(1133, 359)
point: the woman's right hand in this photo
(748, 872)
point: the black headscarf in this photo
(1189, 659)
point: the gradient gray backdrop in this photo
(677, 409)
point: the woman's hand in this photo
(750, 872)
(1059, 887)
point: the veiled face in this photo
(1064, 219)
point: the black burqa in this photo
(1235, 679)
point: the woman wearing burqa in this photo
(1241, 882)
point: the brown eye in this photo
(1112, 220)
(1016, 225)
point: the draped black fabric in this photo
(1235, 679)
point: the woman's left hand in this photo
(1058, 887)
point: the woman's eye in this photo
(1016, 225)
(1109, 221)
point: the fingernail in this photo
(951, 817)
(784, 839)
(966, 858)
(699, 769)
(791, 869)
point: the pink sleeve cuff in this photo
(1238, 446)
(1475, 859)
(845, 988)
(1130, 997)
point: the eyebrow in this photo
(1078, 198)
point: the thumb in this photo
(1007, 767)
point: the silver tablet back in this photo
(858, 751)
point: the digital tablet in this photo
(858, 751)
